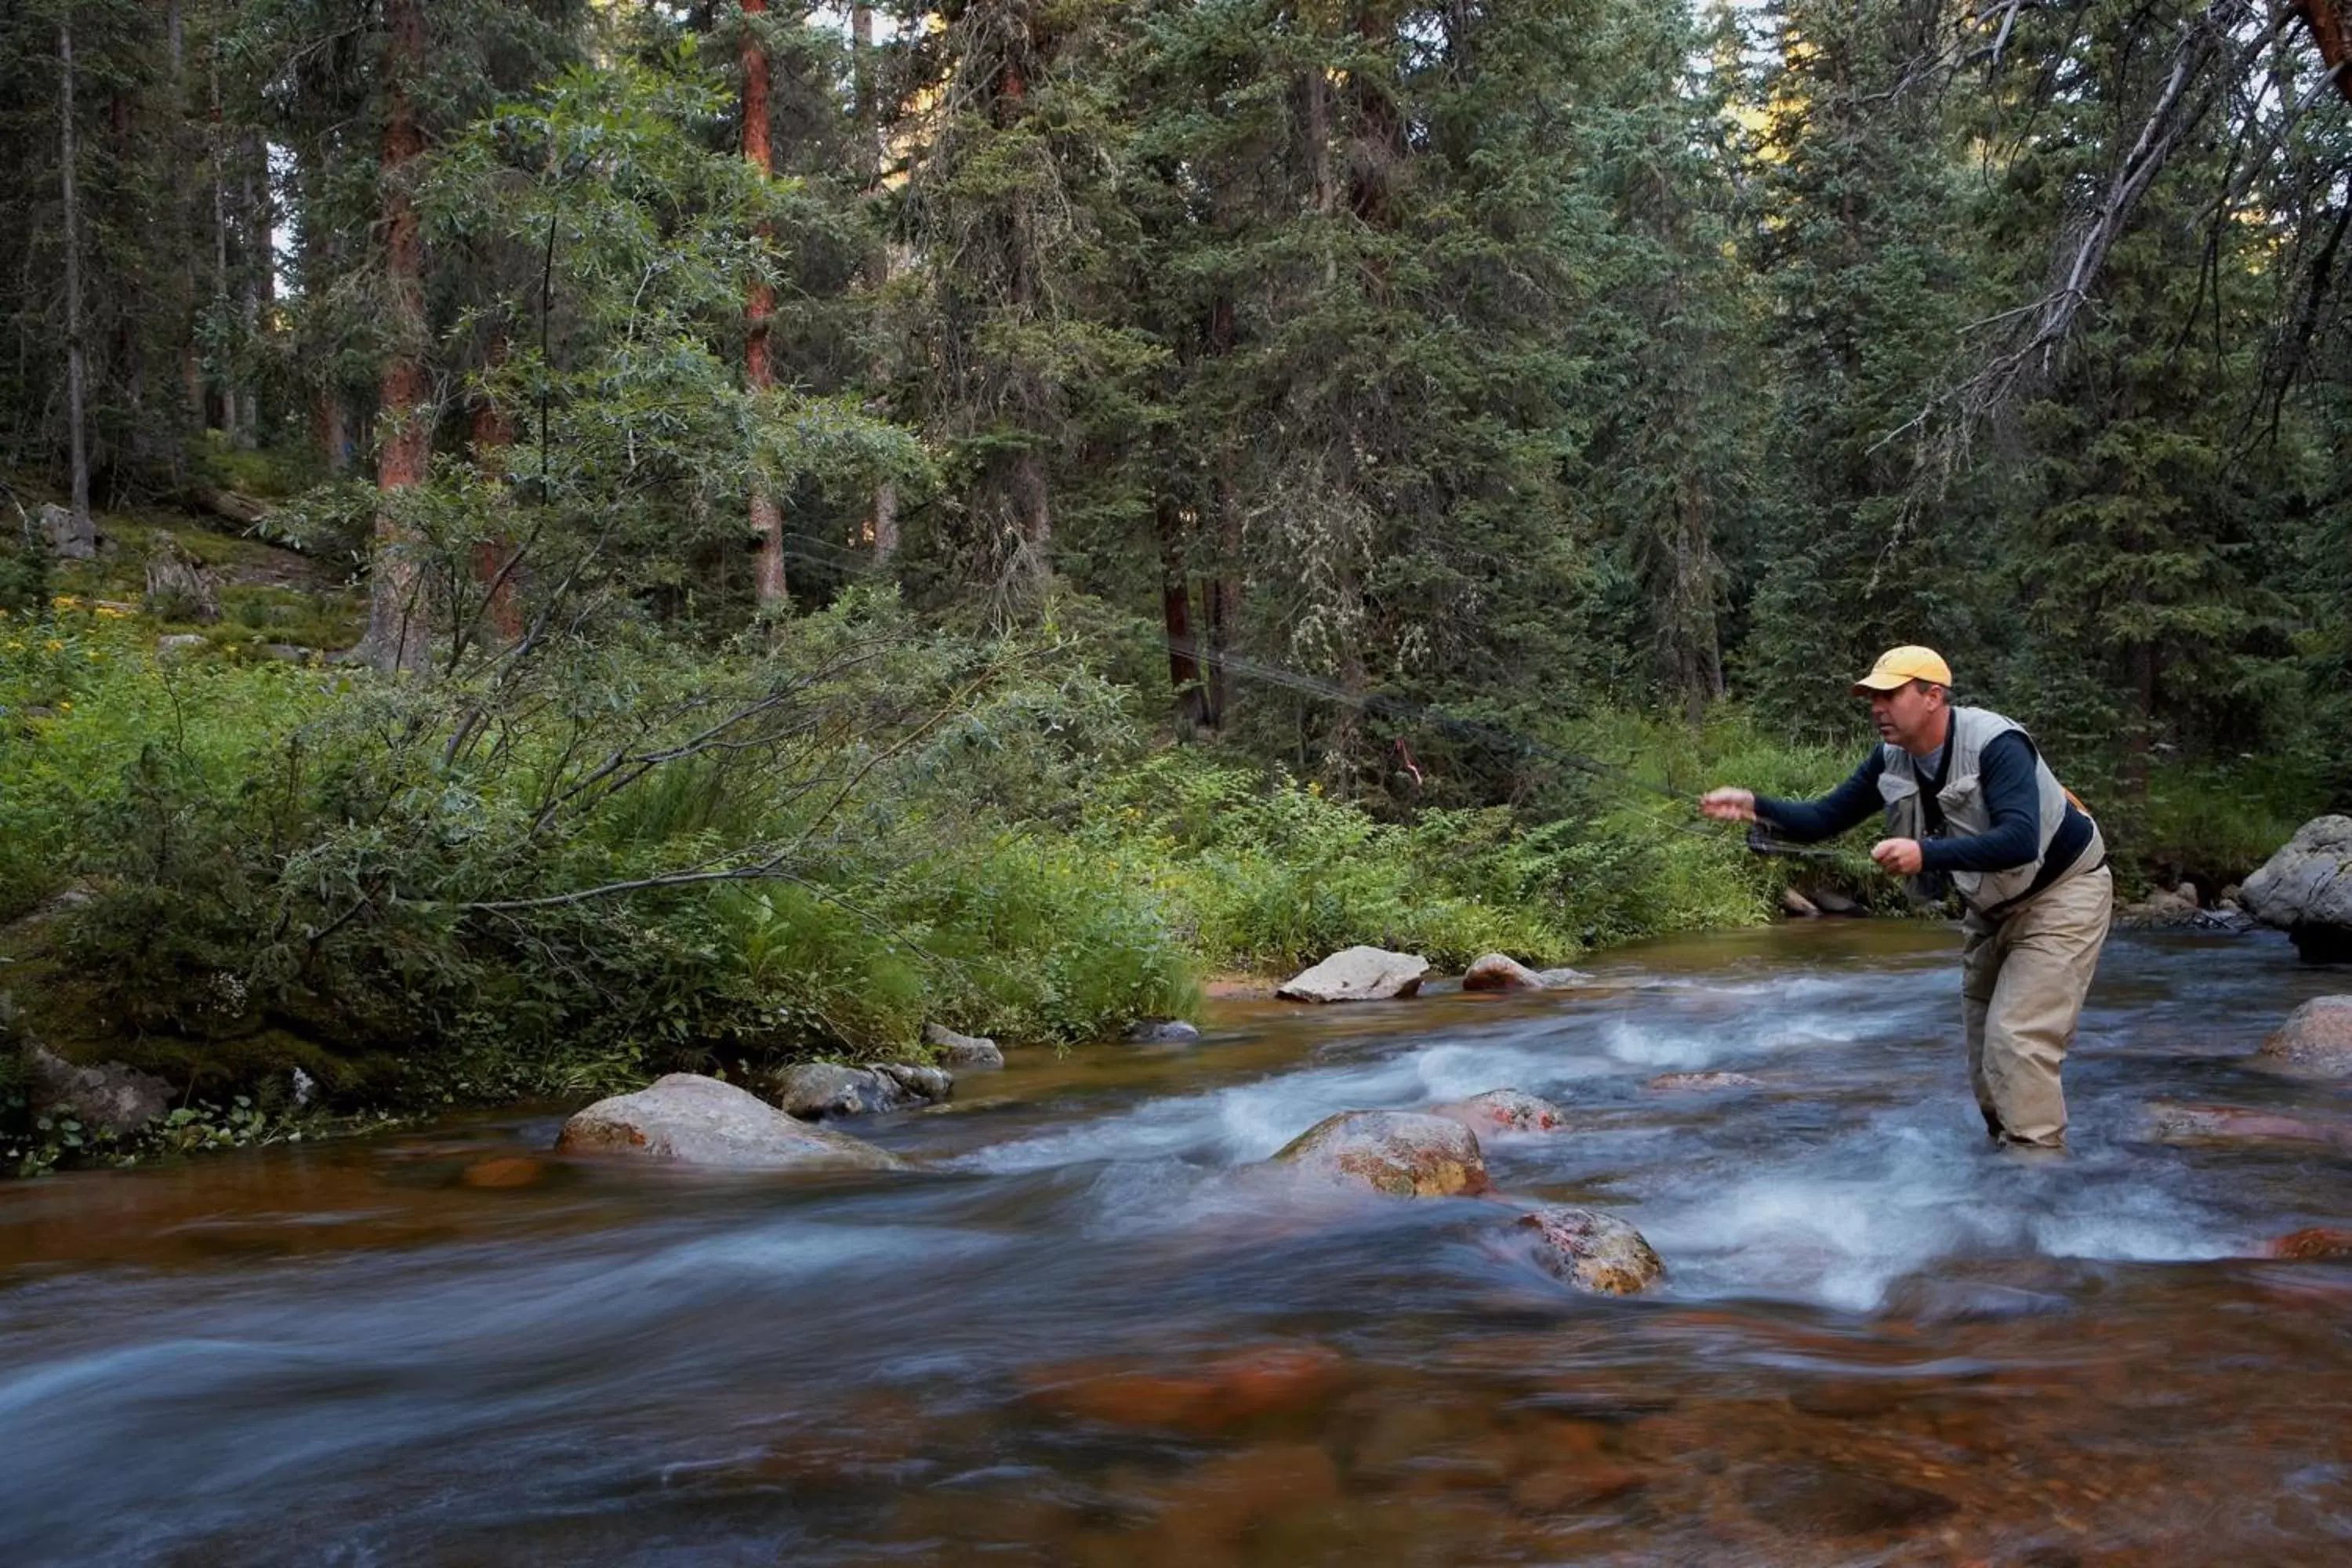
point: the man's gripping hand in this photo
(1728, 805)
(1900, 856)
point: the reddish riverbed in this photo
(1081, 1335)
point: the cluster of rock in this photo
(1375, 974)
(2315, 1042)
(2305, 889)
(1436, 1153)
(2184, 906)
(688, 1120)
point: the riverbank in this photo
(292, 893)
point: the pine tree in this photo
(1872, 279)
(2132, 537)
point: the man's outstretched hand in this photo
(1900, 856)
(1728, 805)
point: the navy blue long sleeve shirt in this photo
(2005, 769)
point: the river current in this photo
(1086, 1332)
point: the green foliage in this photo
(25, 575)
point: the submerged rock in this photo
(110, 1097)
(2318, 1243)
(963, 1050)
(1357, 974)
(688, 1120)
(1398, 1153)
(1700, 1082)
(2315, 1039)
(1200, 1398)
(512, 1170)
(814, 1091)
(1504, 1111)
(1161, 1031)
(2305, 890)
(1835, 1500)
(2168, 1122)
(1563, 978)
(1593, 1251)
(1501, 972)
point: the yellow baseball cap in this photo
(1899, 667)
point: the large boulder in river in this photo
(689, 1119)
(1357, 974)
(1398, 1153)
(814, 1091)
(963, 1050)
(2316, 1039)
(1501, 972)
(1593, 1251)
(2305, 890)
(1504, 1111)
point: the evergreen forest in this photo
(548, 540)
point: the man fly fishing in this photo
(1965, 795)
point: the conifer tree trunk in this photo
(77, 437)
(254, 287)
(884, 525)
(2325, 20)
(399, 605)
(192, 364)
(759, 374)
(1223, 593)
(228, 392)
(1176, 611)
(322, 258)
(1027, 487)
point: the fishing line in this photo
(1759, 839)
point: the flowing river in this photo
(1085, 1334)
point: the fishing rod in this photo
(1759, 839)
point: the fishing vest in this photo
(1963, 802)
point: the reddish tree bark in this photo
(2325, 20)
(399, 599)
(1223, 590)
(1169, 524)
(759, 374)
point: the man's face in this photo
(1911, 716)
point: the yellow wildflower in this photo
(64, 706)
(66, 602)
(54, 646)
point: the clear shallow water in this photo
(1088, 1331)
